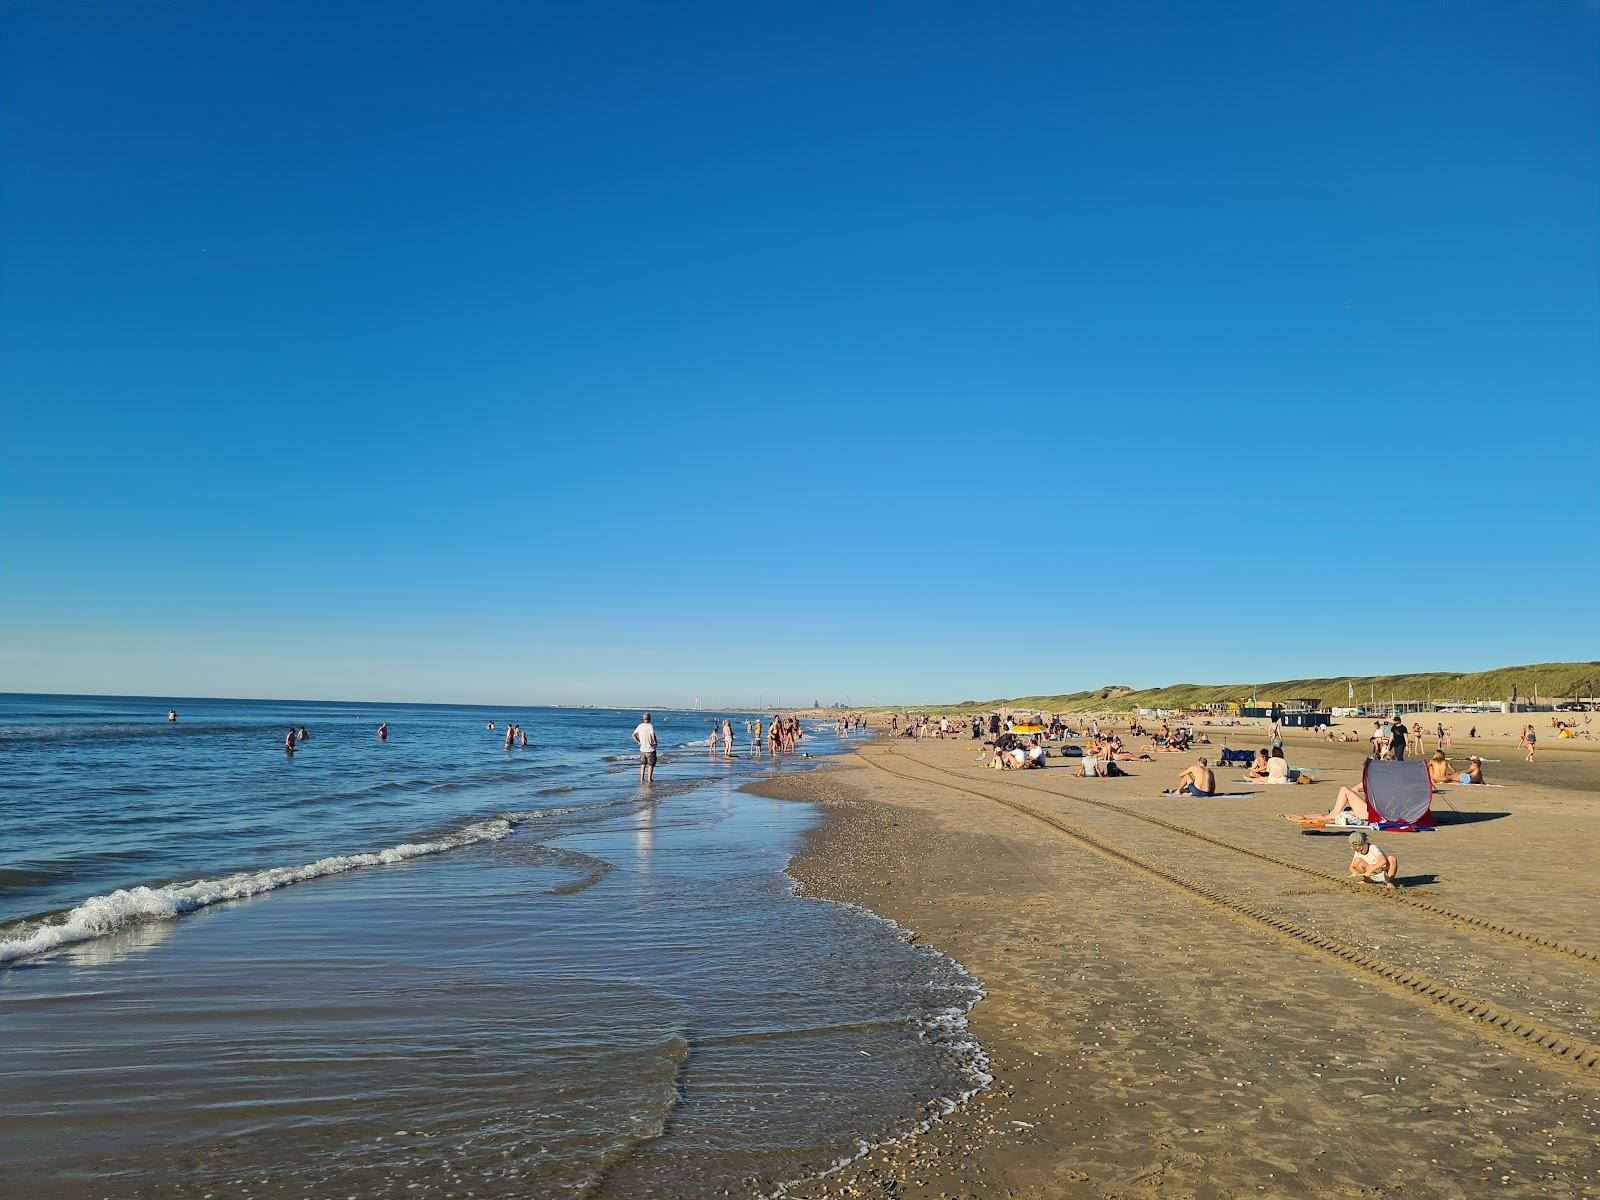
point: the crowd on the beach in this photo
(1023, 741)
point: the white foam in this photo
(102, 915)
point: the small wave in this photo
(23, 877)
(102, 915)
(558, 790)
(666, 1080)
(594, 870)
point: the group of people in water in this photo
(296, 735)
(779, 734)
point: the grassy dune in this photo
(1560, 680)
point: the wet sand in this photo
(1148, 1040)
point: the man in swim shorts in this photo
(645, 734)
(1198, 780)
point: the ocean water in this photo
(432, 966)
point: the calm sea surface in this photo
(432, 966)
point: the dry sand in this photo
(1149, 1041)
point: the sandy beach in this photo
(1187, 999)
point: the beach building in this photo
(1300, 712)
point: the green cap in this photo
(1358, 839)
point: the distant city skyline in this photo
(614, 354)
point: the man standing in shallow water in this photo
(645, 734)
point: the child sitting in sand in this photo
(1370, 863)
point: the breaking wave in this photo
(99, 916)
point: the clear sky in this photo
(609, 352)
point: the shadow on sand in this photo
(1451, 816)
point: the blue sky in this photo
(616, 352)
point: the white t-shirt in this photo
(646, 733)
(1277, 770)
(1372, 857)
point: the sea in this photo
(434, 966)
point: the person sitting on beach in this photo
(1277, 767)
(1014, 759)
(1439, 768)
(1090, 767)
(1036, 753)
(1258, 769)
(1198, 780)
(1370, 863)
(1472, 772)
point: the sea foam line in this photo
(101, 915)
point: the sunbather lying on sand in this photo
(1353, 801)
(1350, 800)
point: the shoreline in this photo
(1145, 1044)
(851, 856)
(843, 825)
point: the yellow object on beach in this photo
(1027, 729)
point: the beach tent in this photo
(1399, 793)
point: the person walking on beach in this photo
(727, 738)
(1529, 740)
(645, 735)
(1397, 742)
